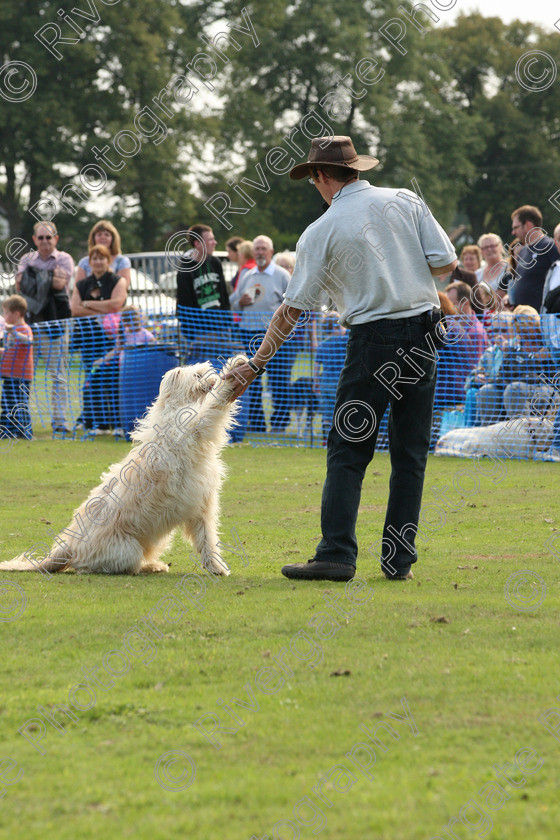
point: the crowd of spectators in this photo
(516, 364)
(44, 283)
(494, 362)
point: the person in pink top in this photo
(467, 341)
(134, 334)
(42, 278)
(131, 334)
(460, 296)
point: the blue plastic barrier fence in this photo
(498, 389)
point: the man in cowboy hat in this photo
(373, 253)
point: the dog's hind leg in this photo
(150, 561)
(153, 566)
(115, 556)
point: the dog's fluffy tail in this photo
(56, 561)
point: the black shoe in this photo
(319, 570)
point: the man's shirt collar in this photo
(346, 189)
(37, 256)
(270, 269)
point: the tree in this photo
(443, 110)
(515, 157)
(90, 95)
(395, 99)
(37, 133)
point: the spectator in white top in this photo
(286, 260)
(260, 292)
(496, 273)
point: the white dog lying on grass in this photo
(171, 478)
(520, 437)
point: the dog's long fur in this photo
(520, 437)
(171, 478)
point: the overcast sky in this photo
(543, 12)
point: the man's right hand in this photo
(245, 300)
(243, 376)
(59, 279)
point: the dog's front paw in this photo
(217, 566)
(234, 362)
(239, 360)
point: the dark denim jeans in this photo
(361, 401)
(15, 419)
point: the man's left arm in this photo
(554, 255)
(444, 269)
(435, 243)
(281, 326)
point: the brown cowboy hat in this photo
(333, 151)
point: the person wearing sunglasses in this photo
(43, 276)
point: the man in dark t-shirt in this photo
(201, 286)
(200, 279)
(533, 260)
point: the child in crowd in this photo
(131, 334)
(16, 370)
(329, 362)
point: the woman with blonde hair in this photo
(496, 273)
(94, 298)
(286, 260)
(245, 259)
(105, 233)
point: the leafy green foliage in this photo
(449, 112)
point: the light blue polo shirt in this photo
(370, 254)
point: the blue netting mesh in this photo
(498, 387)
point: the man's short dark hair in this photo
(233, 242)
(528, 213)
(195, 233)
(337, 173)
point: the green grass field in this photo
(477, 671)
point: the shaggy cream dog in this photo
(520, 437)
(171, 478)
